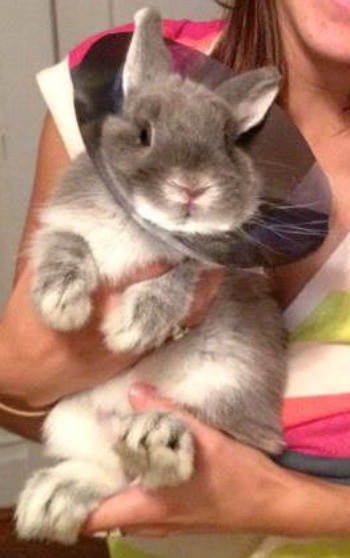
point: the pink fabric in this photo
(200, 35)
(301, 410)
(318, 425)
(326, 437)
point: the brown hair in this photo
(252, 37)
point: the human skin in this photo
(291, 503)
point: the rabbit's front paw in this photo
(66, 274)
(62, 300)
(62, 297)
(140, 324)
(53, 508)
(157, 448)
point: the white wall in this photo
(25, 47)
(122, 11)
(81, 18)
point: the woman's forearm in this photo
(310, 507)
(28, 428)
(10, 396)
(14, 390)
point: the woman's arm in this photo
(234, 489)
(51, 161)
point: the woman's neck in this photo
(316, 96)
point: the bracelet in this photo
(24, 414)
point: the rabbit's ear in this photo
(148, 58)
(250, 95)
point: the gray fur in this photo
(173, 152)
(251, 94)
(148, 313)
(148, 58)
(151, 446)
(66, 277)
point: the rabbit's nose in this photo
(190, 195)
(186, 190)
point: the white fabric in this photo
(316, 369)
(331, 277)
(57, 89)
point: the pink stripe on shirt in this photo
(197, 34)
(327, 437)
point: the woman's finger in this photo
(108, 296)
(144, 397)
(131, 508)
(206, 291)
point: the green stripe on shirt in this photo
(328, 323)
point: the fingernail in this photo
(100, 535)
(141, 391)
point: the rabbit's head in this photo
(174, 149)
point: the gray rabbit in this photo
(173, 153)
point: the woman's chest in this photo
(290, 280)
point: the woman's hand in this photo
(39, 365)
(235, 489)
(231, 486)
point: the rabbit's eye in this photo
(146, 135)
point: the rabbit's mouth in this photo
(186, 217)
